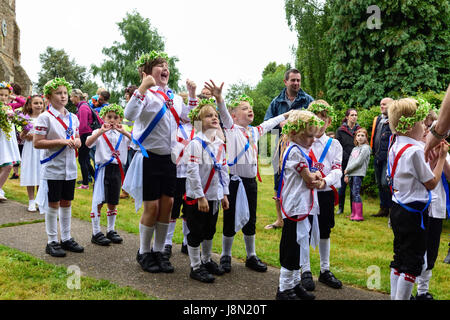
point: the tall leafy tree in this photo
(119, 69)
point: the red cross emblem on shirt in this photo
(318, 166)
(116, 153)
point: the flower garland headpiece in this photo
(149, 57)
(52, 85)
(298, 125)
(243, 98)
(406, 123)
(317, 108)
(112, 108)
(5, 85)
(194, 114)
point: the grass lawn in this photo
(358, 249)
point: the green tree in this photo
(119, 69)
(408, 53)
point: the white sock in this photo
(194, 257)
(111, 216)
(286, 279)
(250, 245)
(160, 236)
(423, 282)
(95, 223)
(206, 250)
(227, 244)
(185, 232)
(170, 232)
(305, 263)
(405, 286)
(65, 217)
(324, 252)
(51, 224)
(394, 280)
(32, 203)
(296, 277)
(145, 235)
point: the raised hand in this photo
(147, 81)
(191, 88)
(215, 90)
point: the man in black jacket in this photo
(380, 143)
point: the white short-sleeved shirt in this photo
(295, 195)
(103, 152)
(64, 166)
(439, 200)
(411, 173)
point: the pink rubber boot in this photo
(357, 211)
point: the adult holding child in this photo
(291, 98)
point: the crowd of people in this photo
(201, 154)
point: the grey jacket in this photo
(358, 161)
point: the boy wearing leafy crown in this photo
(411, 180)
(151, 177)
(242, 147)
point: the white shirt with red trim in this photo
(103, 152)
(412, 171)
(332, 164)
(180, 147)
(63, 166)
(236, 137)
(295, 195)
(143, 109)
(199, 165)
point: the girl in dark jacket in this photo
(345, 135)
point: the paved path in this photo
(117, 264)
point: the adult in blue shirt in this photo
(292, 97)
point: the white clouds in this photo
(224, 40)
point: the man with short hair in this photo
(379, 144)
(292, 97)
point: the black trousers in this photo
(251, 189)
(202, 225)
(434, 231)
(85, 161)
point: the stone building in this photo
(10, 69)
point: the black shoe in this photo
(184, 249)
(225, 263)
(72, 245)
(307, 281)
(425, 296)
(163, 263)
(302, 293)
(54, 249)
(286, 295)
(114, 237)
(80, 182)
(447, 258)
(148, 262)
(167, 251)
(256, 264)
(330, 280)
(202, 275)
(214, 268)
(100, 239)
(14, 176)
(384, 212)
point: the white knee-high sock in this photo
(170, 232)
(111, 216)
(145, 236)
(405, 286)
(51, 224)
(227, 244)
(95, 223)
(250, 245)
(286, 279)
(160, 236)
(65, 217)
(194, 257)
(185, 232)
(394, 280)
(206, 250)
(324, 252)
(305, 263)
(296, 277)
(423, 282)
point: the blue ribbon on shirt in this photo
(447, 195)
(217, 166)
(98, 167)
(241, 154)
(69, 133)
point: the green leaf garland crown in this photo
(194, 114)
(406, 123)
(298, 124)
(317, 108)
(112, 108)
(149, 57)
(54, 84)
(5, 85)
(242, 98)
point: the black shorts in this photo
(160, 177)
(326, 216)
(201, 225)
(289, 247)
(61, 190)
(113, 184)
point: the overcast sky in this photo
(223, 40)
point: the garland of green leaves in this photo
(300, 125)
(195, 113)
(5, 85)
(243, 98)
(149, 57)
(112, 108)
(406, 123)
(54, 84)
(317, 108)
(5, 124)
